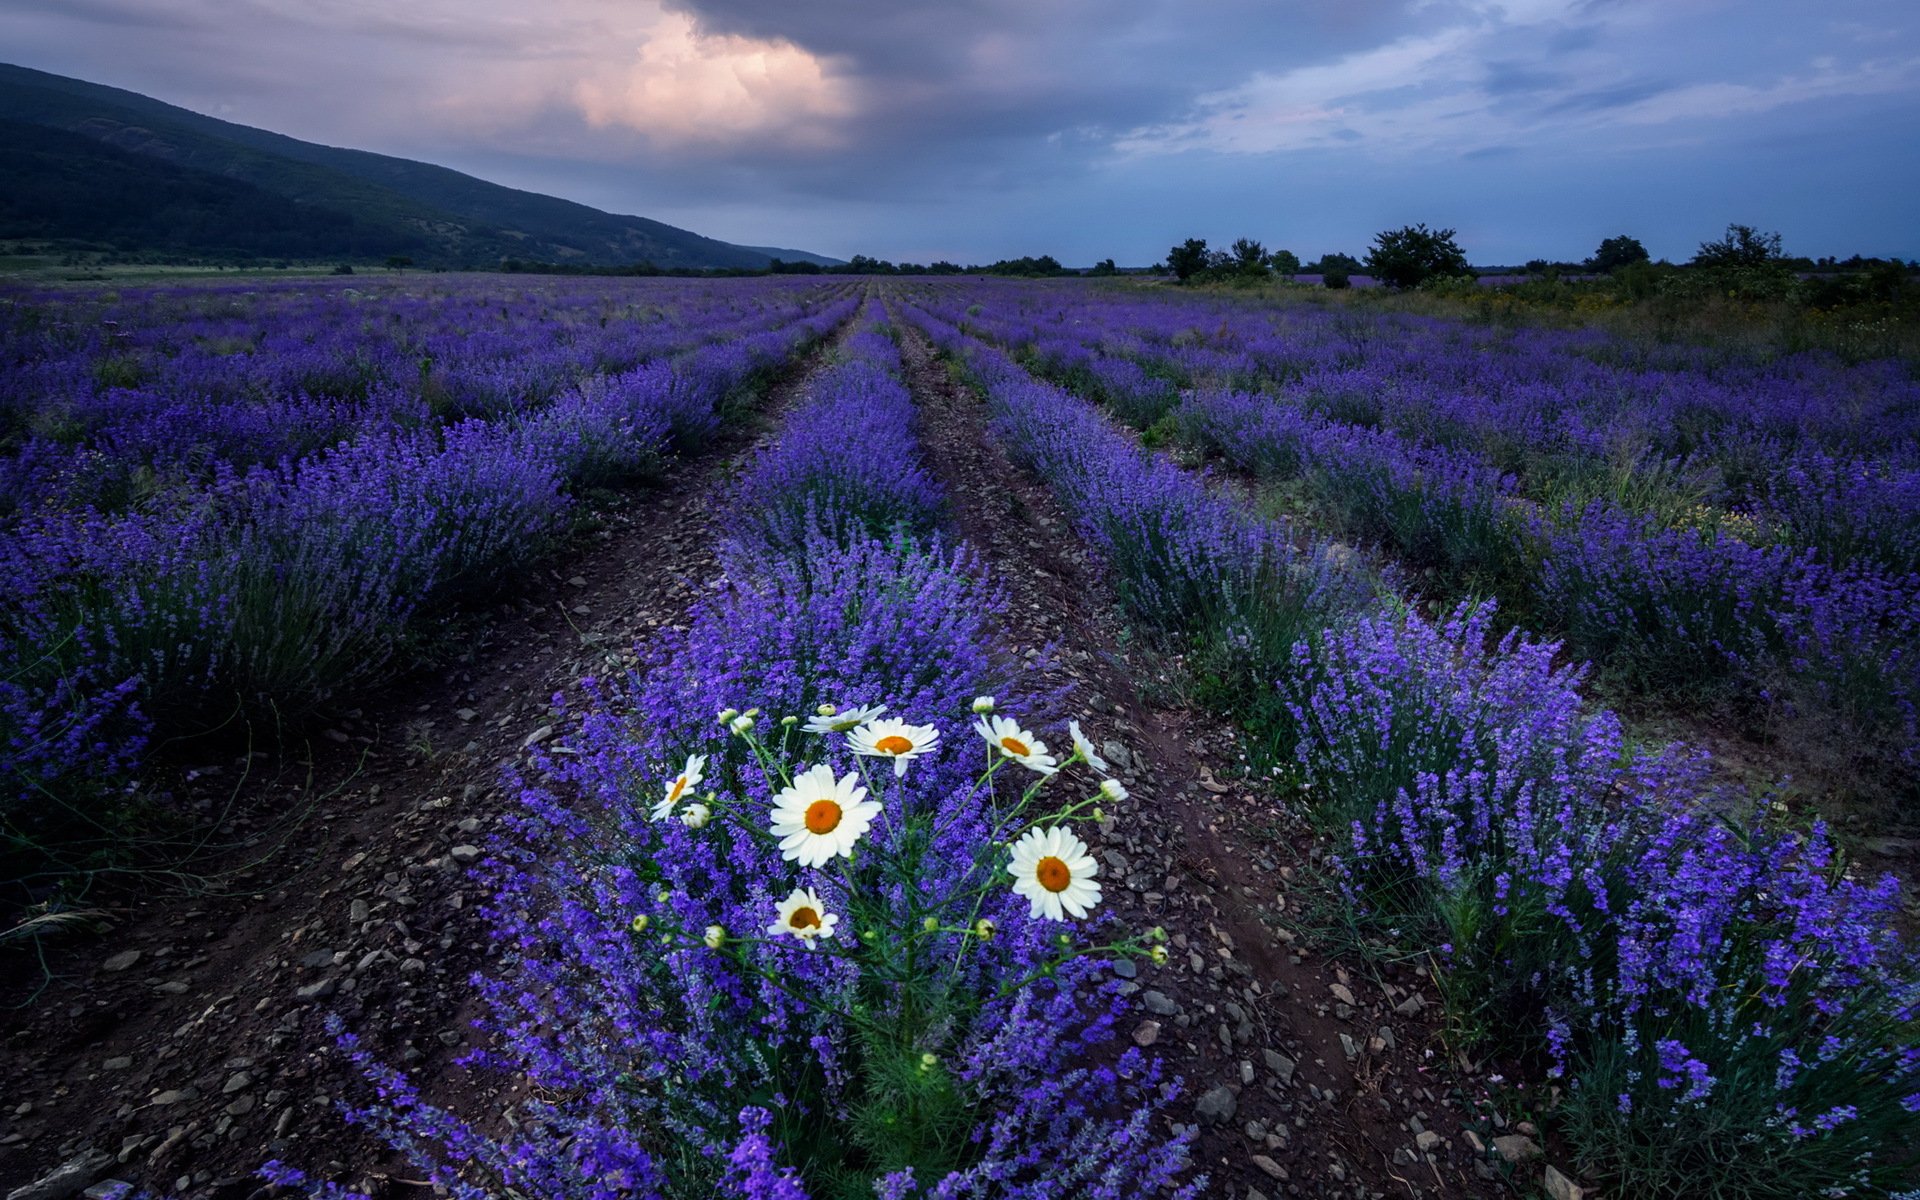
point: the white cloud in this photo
(1431, 91)
(684, 87)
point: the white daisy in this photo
(688, 779)
(1113, 790)
(1005, 735)
(802, 915)
(817, 816)
(890, 737)
(1053, 870)
(1086, 749)
(828, 719)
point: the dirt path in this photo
(1305, 1078)
(188, 1044)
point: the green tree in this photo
(1284, 262)
(1188, 259)
(1743, 246)
(1408, 256)
(1616, 252)
(1104, 267)
(1345, 263)
(1249, 258)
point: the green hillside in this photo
(433, 214)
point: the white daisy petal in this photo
(890, 737)
(1054, 871)
(818, 817)
(680, 787)
(1085, 747)
(1005, 735)
(803, 916)
(842, 720)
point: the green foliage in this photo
(1188, 259)
(1249, 259)
(1335, 279)
(1284, 262)
(69, 187)
(1104, 267)
(1615, 253)
(1408, 256)
(1346, 264)
(1741, 247)
(1044, 265)
(394, 205)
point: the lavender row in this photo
(112, 400)
(1699, 616)
(1802, 450)
(1702, 614)
(1717, 997)
(901, 1023)
(279, 589)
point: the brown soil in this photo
(206, 1057)
(1244, 1004)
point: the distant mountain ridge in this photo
(215, 177)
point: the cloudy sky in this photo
(977, 129)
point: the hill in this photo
(228, 189)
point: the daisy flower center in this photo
(893, 743)
(823, 816)
(1052, 874)
(1019, 749)
(804, 918)
(679, 785)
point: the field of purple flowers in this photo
(223, 505)
(1725, 1009)
(818, 898)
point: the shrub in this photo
(1412, 254)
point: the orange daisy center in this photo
(1052, 874)
(804, 918)
(679, 785)
(893, 743)
(823, 816)
(1019, 749)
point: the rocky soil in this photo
(187, 1046)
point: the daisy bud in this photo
(1099, 814)
(661, 897)
(639, 923)
(930, 924)
(696, 816)
(1063, 941)
(741, 724)
(1159, 956)
(984, 929)
(789, 722)
(716, 937)
(727, 715)
(928, 1062)
(824, 710)
(1157, 934)
(1113, 790)
(752, 712)
(870, 937)
(983, 705)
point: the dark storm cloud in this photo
(975, 128)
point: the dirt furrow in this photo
(189, 1045)
(1305, 1077)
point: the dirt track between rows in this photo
(206, 1054)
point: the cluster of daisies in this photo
(820, 816)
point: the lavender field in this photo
(962, 738)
